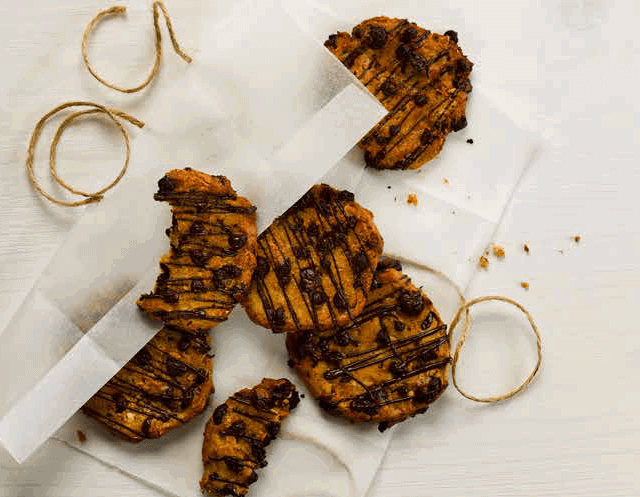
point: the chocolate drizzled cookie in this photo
(212, 256)
(421, 78)
(166, 384)
(315, 264)
(389, 364)
(238, 432)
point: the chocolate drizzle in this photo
(403, 85)
(197, 288)
(155, 385)
(252, 418)
(415, 349)
(319, 229)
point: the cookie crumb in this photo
(82, 438)
(577, 238)
(484, 262)
(445, 181)
(412, 199)
(470, 141)
(525, 285)
(498, 251)
(526, 248)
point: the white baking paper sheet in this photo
(268, 106)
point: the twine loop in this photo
(113, 114)
(158, 7)
(466, 328)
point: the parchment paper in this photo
(268, 106)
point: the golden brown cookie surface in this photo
(238, 432)
(421, 78)
(212, 257)
(166, 384)
(315, 264)
(387, 365)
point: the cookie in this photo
(166, 384)
(421, 78)
(315, 264)
(238, 432)
(388, 365)
(212, 257)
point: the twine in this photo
(113, 114)
(466, 328)
(158, 7)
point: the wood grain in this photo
(567, 71)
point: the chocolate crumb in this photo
(524, 285)
(577, 238)
(470, 141)
(302, 395)
(412, 199)
(526, 248)
(498, 251)
(388, 187)
(82, 438)
(484, 262)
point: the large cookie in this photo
(388, 365)
(315, 264)
(238, 432)
(212, 257)
(166, 384)
(421, 78)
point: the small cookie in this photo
(315, 264)
(166, 384)
(421, 78)
(388, 365)
(238, 432)
(213, 244)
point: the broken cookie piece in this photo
(237, 434)
(212, 257)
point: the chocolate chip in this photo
(339, 301)
(376, 37)
(252, 478)
(142, 358)
(383, 426)
(302, 253)
(197, 228)
(411, 303)
(310, 274)
(408, 34)
(278, 316)
(175, 367)
(198, 286)
(283, 272)
(364, 403)
(233, 463)
(318, 298)
(325, 264)
(357, 32)
(290, 363)
(236, 242)
(426, 137)
(166, 185)
(342, 338)
(327, 404)
(470, 141)
(398, 325)
(459, 124)
(381, 140)
(402, 52)
(262, 267)
(227, 272)
(397, 368)
(332, 42)
(428, 321)
(237, 428)
(184, 343)
(387, 263)
(219, 413)
(146, 426)
(421, 100)
(394, 129)
(294, 400)
(382, 337)
(199, 257)
(120, 401)
(400, 164)
(313, 229)
(435, 383)
(388, 88)
(452, 35)
(169, 296)
(346, 196)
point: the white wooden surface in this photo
(567, 70)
